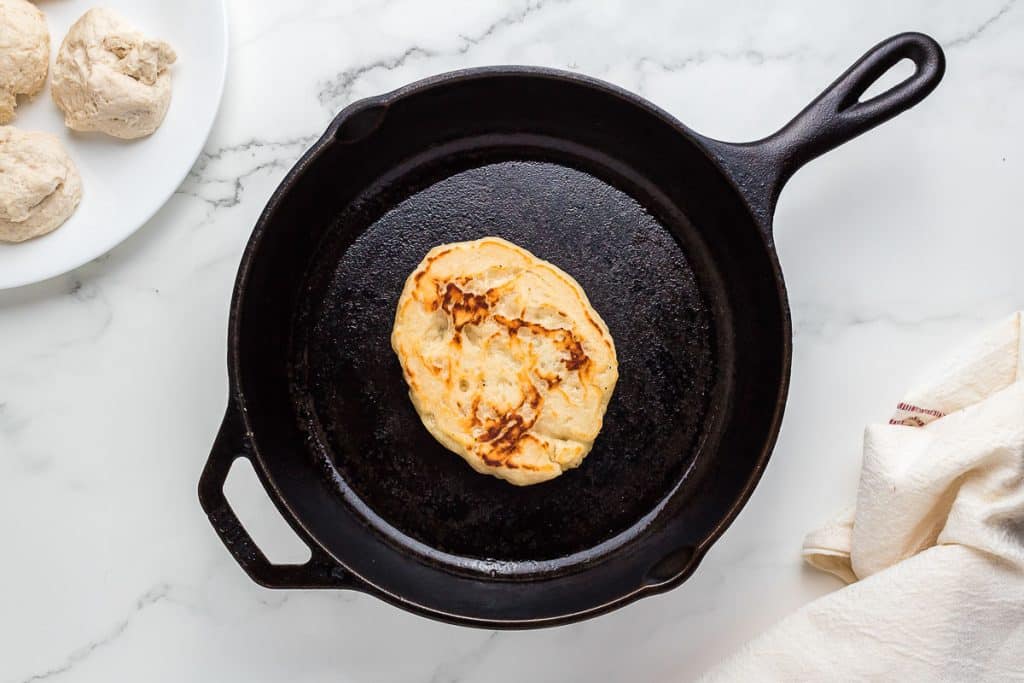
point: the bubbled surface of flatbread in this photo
(507, 362)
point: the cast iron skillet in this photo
(667, 231)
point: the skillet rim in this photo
(237, 397)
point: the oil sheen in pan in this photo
(635, 274)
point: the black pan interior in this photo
(624, 199)
(598, 225)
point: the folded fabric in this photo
(934, 547)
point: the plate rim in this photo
(47, 274)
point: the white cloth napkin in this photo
(934, 548)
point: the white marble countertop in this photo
(113, 378)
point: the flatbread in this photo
(507, 362)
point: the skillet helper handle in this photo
(836, 116)
(320, 571)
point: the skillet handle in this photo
(320, 571)
(837, 115)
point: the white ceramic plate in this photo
(125, 182)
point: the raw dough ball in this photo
(111, 78)
(39, 184)
(24, 53)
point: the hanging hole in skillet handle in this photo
(901, 71)
(839, 114)
(320, 571)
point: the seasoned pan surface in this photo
(637, 275)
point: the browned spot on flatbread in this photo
(425, 266)
(465, 308)
(576, 358)
(551, 380)
(501, 437)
